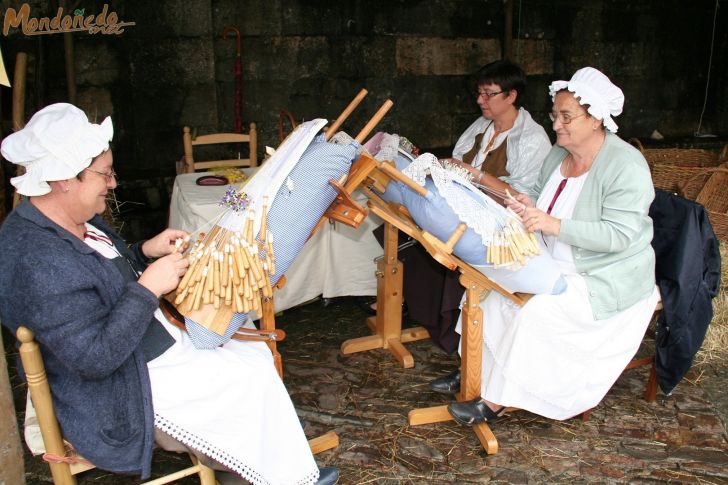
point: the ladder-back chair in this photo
(63, 461)
(230, 139)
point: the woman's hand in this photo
(163, 275)
(519, 204)
(162, 244)
(537, 220)
(474, 172)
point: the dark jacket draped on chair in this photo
(688, 274)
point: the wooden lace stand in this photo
(267, 319)
(328, 440)
(386, 326)
(366, 174)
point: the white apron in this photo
(550, 357)
(230, 404)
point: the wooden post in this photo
(69, 57)
(268, 322)
(253, 144)
(18, 114)
(389, 294)
(187, 145)
(508, 30)
(471, 353)
(11, 454)
(21, 64)
(38, 385)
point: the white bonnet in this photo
(57, 144)
(592, 87)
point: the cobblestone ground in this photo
(365, 398)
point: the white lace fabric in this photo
(219, 455)
(484, 216)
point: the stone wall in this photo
(311, 57)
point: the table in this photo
(337, 261)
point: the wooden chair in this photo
(650, 394)
(189, 141)
(63, 461)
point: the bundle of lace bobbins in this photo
(229, 268)
(511, 244)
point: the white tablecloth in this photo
(337, 261)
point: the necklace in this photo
(489, 146)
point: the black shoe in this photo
(365, 304)
(328, 476)
(473, 412)
(449, 384)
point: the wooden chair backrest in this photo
(190, 142)
(63, 461)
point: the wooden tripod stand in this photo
(386, 326)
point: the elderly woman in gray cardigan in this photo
(558, 355)
(121, 374)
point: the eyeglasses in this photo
(488, 94)
(564, 118)
(110, 175)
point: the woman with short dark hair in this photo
(503, 150)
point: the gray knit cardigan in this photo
(89, 323)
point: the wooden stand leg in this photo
(387, 325)
(470, 367)
(324, 442)
(268, 322)
(651, 389)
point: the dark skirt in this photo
(432, 293)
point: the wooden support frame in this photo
(387, 324)
(477, 287)
(368, 174)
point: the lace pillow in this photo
(296, 209)
(432, 213)
(303, 199)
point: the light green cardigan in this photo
(610, 231)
